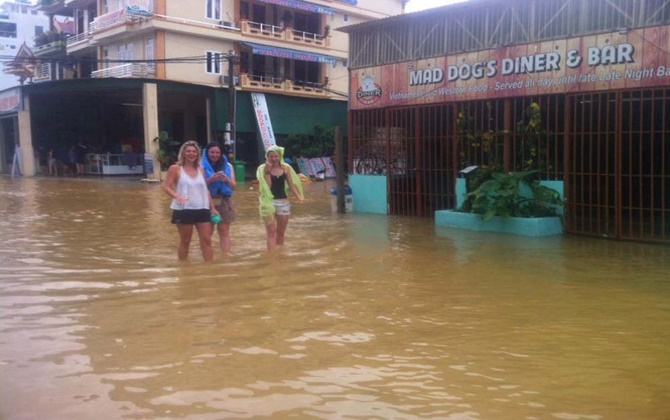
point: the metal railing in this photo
(282, 85)
(126, 70)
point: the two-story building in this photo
(134, 68)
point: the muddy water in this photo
(359, 316)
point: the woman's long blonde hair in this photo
(180, 157)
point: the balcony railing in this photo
(75, 39)
(126, 71)
(287, 34)
(273, 84)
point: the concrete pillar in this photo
(24, 130)
(150, 114)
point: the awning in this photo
(301, 5)
(290, 54)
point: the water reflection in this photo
(360, 316)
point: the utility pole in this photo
(232, 104)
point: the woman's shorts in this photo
(190, 217)
(282, 207)
(226, 209)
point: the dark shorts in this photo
(225, 207)
(190, 217)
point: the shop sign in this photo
(617, 60)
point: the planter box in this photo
(538, 226)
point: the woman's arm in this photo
(212, 206)
(170, 182)
(231, 180)
(294, 188)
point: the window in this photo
(149, 54)
(214, 9)
(125, 52)
(39, 30)
(7, 30)
(213, 62)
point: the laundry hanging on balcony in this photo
(301, 5)
(290, 54)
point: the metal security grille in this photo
(537, 138)
(414, 147)
(422, 179)
(519, 134)
(645, 165)
(591, 178)
(618, 175)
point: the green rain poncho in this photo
(266, 209)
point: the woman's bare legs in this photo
(224, 236)
(282, 223)
(271, 239)
(205, 237)
(185, 234)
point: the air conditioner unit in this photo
(225, 78)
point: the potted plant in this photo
(505, 195)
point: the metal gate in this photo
(618, 171)
(414, 148)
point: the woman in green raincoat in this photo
(277, 180)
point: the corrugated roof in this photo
(414, 15)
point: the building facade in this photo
(578, 91)
(20, 24)
(165, 65)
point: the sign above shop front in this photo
(618, 60)
(301, 5)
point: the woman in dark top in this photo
(276, 179)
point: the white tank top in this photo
(194, 189)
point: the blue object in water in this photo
(347, 190)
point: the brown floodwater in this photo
(358, 317)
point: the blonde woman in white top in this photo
(192, 204)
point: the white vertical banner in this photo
(263, 119)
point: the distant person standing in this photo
(80, 157)
(52, 162)
(192, 205)
(276, 180)
(222, 184)
(72, 161)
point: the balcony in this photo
(130, 70)
(276, 85)
(50, 44)
(264, 30)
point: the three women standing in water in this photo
(202, 187)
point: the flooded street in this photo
(359, 316)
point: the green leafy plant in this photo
(168, 149)
(320, 143)
(503, 195)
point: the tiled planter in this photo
(535, 226)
